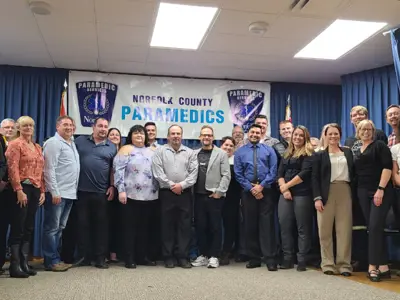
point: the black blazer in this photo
(321, 173)
(3, 162)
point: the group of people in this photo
(137, 201)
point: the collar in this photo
(60, 138)
(181, 148)
(250, 145)
(104, 143)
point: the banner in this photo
(126, 100)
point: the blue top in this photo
(61, 167)
(267, 164)
(132, 174)
(96, 164)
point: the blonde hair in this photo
(359, 109)
(21, 121)
(306, 150)
(362, 124)
(323, 143)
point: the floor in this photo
(228, 282)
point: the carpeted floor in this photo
(230, 282)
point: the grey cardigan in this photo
(218, 174)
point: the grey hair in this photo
(7, 120)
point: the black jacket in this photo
(321, 173)
(3, 162)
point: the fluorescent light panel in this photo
(339, 38)
(181, 26)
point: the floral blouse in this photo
(132, 174)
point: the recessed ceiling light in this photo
(181, 26)
(40, 8)
(339, 38)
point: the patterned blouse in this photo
(25, 164)
(132, 174)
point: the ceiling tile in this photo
(81, 11)
(121, 66)
(77, 64)
(380, 11)
(108, 51)
(124, 34)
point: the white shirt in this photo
(396, 154)
(339, 167)
(231, 159)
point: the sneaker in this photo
(213, 263)
(200, 261)
(60, 267)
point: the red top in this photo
(25, 163)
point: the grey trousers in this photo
(296, 212)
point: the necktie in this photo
(255, 178)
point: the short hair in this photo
(255, 126)
(169, 128)
(98, 119)
(313, 138)
(7, 120)
(137, 128)
(225, 138)
(359, 108)
(206, 127)
(22, 120)
(285, 122)
(59, 119)
(362, 124)
(392, 106)
(150, 124)
(261, 117)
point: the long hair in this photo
(306, 150)
(120, 136)
(134, 129)
(325, 132)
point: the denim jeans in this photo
(55, 219)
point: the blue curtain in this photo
(35, 92)
(375, 89)
(395, 37)
(312, 105)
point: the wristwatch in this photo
(381, 188)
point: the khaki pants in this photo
(337, 210)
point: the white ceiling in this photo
(114, 36)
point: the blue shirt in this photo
(61, 167)
(96, 164)
(267, 164)
(132, 174)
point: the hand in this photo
(259, 196)
(22, 199)
(56, 200)
(378, 197)
(215, 196)
(122, 197)
(287, 195)
(176, 188)
(319, 206)
(283, 187)
(42, 198)
(257, 189)
(110, 193)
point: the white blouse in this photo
(339, 168)
(231, 159)
(396, 154)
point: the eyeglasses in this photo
(366, 129)
(206, 135)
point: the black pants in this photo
(23, 218)
(396, 207)
(93, 225)
(259, 226)
(70, 236)
(375, 217)
(230, 218)
(136, 218)
(154, 247)
(176, 216)
(6, 198)
(208, 215)
(115, 233)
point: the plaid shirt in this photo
(392, 140)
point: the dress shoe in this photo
(252, 264)
(287, 264)
(130, 265)
(329, 272)
(386, 275)
(147, 262)
(101, 265)
(169, 264)
(301, 266)
(184, 263)
(224, 261)
(272, 267)
(345, 274)
(241, 258)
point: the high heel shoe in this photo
(374, 275)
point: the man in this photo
(4, 203)
(262, 121)
(151, 129)
(392, 118)
(238, 136)
(61, 175)
(255, 169)
(315, 143)
(8, 129)
(175, 167)
(285, 131)
(213, 180)
(95, 189)
(357, 114)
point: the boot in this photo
(24, 259)
(15, 266)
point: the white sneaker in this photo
(200, 261)
(213, 263)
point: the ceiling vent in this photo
(318, 7)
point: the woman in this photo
(295, 203)
(333, 171)
(373, 168)
(230, 209)
(137, 190)
(25, 169)
(114, 135)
